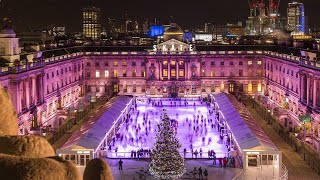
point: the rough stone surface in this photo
(23, 168)
(8, 116)
(27, 146)
(97, 169)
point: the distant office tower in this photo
(296, 18)
(264, 17)
(92, 23)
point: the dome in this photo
(7, 33)
(173, 29)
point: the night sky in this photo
(39, 13)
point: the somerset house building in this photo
(45, 85)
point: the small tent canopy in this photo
(246, 132)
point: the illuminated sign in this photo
(173, 45)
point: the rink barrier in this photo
(127, 155)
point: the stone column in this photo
(315, 92)
(301, 87)
(27, 92)
(177, 69)
(185, 70)
(34, 89)
(160, 70)
(308, 89)
(169, 69)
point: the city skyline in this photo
(186, 15)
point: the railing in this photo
(146, 155)
(309, 155)
(285, 174)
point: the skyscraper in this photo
(92, 23)
(296, 18)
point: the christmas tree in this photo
(166, 162)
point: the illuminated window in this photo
(173, 63)
(259, 87)
(115, 73)
(181, 73)
(115, 64)
(203, 73)
(181, 63)
(173, 73)
(259, 72)
(165, 63)
(124, 63)
(259, 62)
(143, 73)
(250, 87)
(212, 74)
(165, 72)
(222, 87)
(124, 73)
(231, 88)
(106, 73)
(116, 88)
(97, 73)
(249, 62)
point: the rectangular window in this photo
(249, 63)
(222, 63)
(173, 63)
(213, 63)
(106, 64)
(143, 73)
(115, 63)
(203, 73)
(165, 72)
(133, 63)
(231, 63)
(124, 63)
(97, 64)
(106, 74)
(212, 74)
(124, 73)
(259, 62)
(115, 73)
(181, 73)
(173, 73)
(250, 87)
(97, 73)
(116, 88)
(165, 63)
(181, 63)
(240, 72)
(240, 63)
(134, 72)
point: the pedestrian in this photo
(196, 153)
(120, 164)
(200, 173)
(206, 173)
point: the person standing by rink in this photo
(120, 164)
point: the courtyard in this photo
(196, 127)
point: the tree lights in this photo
(166, 161)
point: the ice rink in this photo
(197, 130)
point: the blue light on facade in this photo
(155, 31)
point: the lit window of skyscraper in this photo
(92, 23)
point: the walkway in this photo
(138, 170)
(297, 167)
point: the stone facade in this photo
(45, 90)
